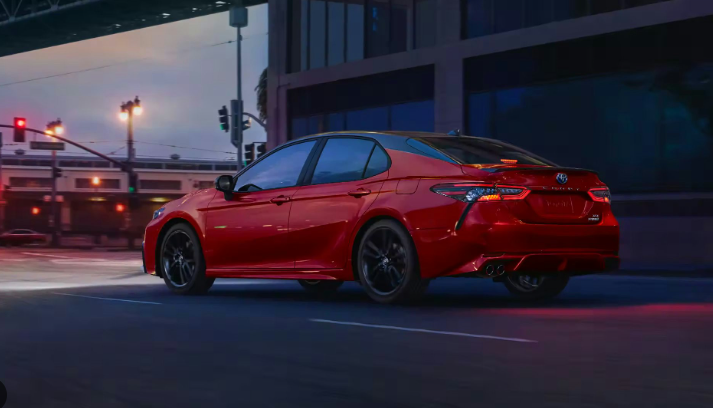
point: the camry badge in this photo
(561, 178)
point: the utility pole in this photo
(238, 19)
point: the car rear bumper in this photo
(518, 247)
(575, 263)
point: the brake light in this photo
(472, 192)
(600, 194)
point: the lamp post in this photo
(128, 111)
(54, 128)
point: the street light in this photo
(128, 111)
(95, 181)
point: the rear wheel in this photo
(535, 287)
(181, 261)
(388, 265)
(320, 287)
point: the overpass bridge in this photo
(27, 25)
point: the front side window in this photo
(342, 160)
(279, 170)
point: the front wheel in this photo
(181, 261)
(535, 287)
(387, 264)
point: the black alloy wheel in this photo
(387, 264)
(182, 264)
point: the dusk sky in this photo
(180, 78)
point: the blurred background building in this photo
(93, 193)
(623, 87)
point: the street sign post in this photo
(46, 145)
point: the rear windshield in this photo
(471, 150)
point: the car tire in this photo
(387, 264)
(182, 263)
(320, 287)
(536, 287)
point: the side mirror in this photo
(225, 184)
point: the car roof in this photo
(390, 139)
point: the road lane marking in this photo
(47, 255)
(408, 329)
(111, 299)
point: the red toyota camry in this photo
(390, 210)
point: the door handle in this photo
(280, 199)
(360, 192)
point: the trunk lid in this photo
(558, 195)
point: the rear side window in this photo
(471, 150)
(378, 163)
(343, 159)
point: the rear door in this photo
(346, 179)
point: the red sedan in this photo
(390, 210)
(21, 237)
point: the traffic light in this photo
(120, 207)
(35, 210)
(56, 172)
(224, 119)
(249, 153)
(247, 123)
(261, 150)
(19, 135)
(133, 183)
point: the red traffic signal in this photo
(19, 134)
(35, 210)
(120, 208)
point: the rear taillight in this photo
(471, 192)
(600, 194)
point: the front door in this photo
(250, 229)
(325, 212)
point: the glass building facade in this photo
(400, 100)
(484, 17)
(331, 32)
(636, 106)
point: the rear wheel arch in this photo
(360, 233)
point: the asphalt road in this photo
(85, 329)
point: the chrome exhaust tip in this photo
(490, 270)
(500, 270)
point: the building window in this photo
(425, 23)
(330, 32)
(484, 17)
(355, 30)
(159, 184)
(317, 33)
(640, 119)
(30, 182)
(398, 100)
(335, 39)
(113, 184)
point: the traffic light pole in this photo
(238, 19)
(54, 216)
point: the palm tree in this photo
(261, 91)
